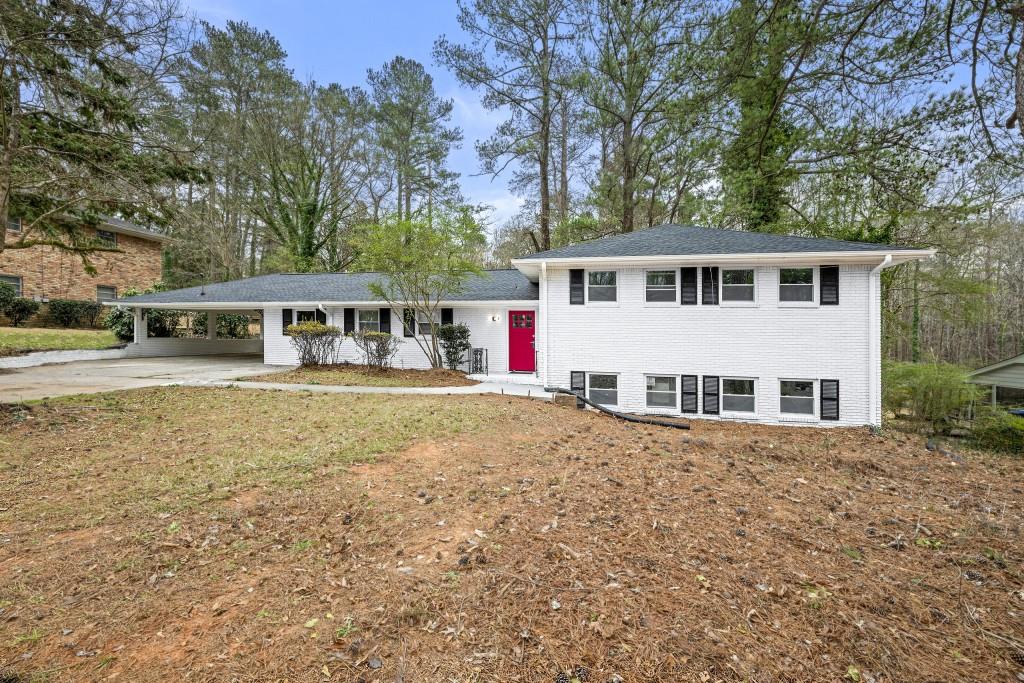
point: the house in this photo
(1005, 378)
(43, 273)
(673, 320)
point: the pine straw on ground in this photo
(212, 535)
(363, 376)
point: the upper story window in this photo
(661, 285)
(369, 319)
(737, 395)
(796, 284)
(738, 284)
(601, 285)
(13, 281)
(106, 293)
(107, 237)
(14, 224)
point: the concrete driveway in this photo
(92, 376)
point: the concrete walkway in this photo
(36, 358)
(501, 388)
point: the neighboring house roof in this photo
(685, 240)
(1005, 373)
(330, 288)
(126, 228)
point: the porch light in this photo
(495, 318)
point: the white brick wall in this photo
(484, 332)
(766, 341)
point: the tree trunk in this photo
(628, 176)
(545, 147)
(563, 170)
(11, 143)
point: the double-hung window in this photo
(604, 389)
(796, 285)
(106, 293)
(369, 319)
(738, 284)
(661, 285)
(738, 395)
(14, 224)
(601, 285)
(13, 281)
(305, 316)
(796, 397)
(423, 323)
(661, 391)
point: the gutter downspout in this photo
(875, 340)
(327, 317)
(544, 319)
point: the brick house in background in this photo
(44, 273)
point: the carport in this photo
(145, 345)
(1005, 378)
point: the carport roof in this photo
(329, 288)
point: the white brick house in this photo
(673, 320)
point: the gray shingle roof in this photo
(493, 285)
(684, 240)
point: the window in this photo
(738, 285)
(14, 224)
(522, 321)
(369, 319)
(661, 391)
(13, 281)
(305, 316)
(661, 285)
(601, 285)
(106, 293)
(738, 395)
(797, 397)
(604, 389)
(796, 284)
(107, 237)
(423, 324)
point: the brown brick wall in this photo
(55, 274)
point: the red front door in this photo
(520, 341)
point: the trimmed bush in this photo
(379, 348)
(998, 430)
(71, 312)
(317, 344)
(454, 341)
(928, 392)
(20, 310)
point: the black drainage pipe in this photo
(621, 416)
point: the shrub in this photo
(20, 310)
(71, 312)
(121, 321)
(229, 325)
(998, 430)
(929, 392)
(162, 323)
(379, 348)
(7, 295)
(317, 344)
(454, 340)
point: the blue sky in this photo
(338, 41)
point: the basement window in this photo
(106, 293)
(796, 397)
(604, 389)
(737, 395)
(13, 281)
(661, 391)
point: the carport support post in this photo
(211, 324)
(995, 395)
(140, 326)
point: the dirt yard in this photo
(362, 376)
(231, 535)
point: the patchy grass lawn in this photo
(362, 376)
(15, 341)
(224, 534)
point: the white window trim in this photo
(359, 323)
(601, 304)
(295, 314)
(661, 304)
(799, 417)
(422, 319)
(736, 304)
(721, 397)
(15, 219)
(664, 409)
(618, 387)
(813, 303)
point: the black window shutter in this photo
(710, 395)
(688, 284)
(408, 322)
(828, 280)
(321, 317)
(385, 320)
(578, 383)
(689, 393)
(709, 286)
(829, 399)
(447, 316)
(350, 320)
(286, 319)
(576, 287)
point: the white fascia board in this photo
(251, 305)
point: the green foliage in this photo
(454, 340)
(161, 322)
(72, 312)
(316, 343)
(20, 310)
(378, 348)
(229, 325)
(928, 392)
(7, 295)
(998, 430)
